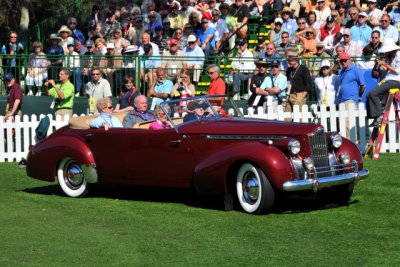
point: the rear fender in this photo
(44, 157)
(211, 173)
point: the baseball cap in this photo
(9, 77)
(275, 63)
(70, 43)
(89, 43)
(191, 38)
(262, 61)
(110, 46)
(347, 32)
(242, 42)
(344, 56)
(174, 42)
(362, 14)
(325, 63)
(278, 20)
(330, 19)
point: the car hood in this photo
(248, 126)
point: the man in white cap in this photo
(109, 64)
(361, 32)
(392, 80)
(275, 36)
(351, 47)
(374, 14)
(386, 30)
(195, 57)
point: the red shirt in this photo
(325, 32)
(217, 87)
(15, 93)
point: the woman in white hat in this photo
(325, 84)
(65, 34)
(392, 80)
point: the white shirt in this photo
(374, 16)
(322, 15)
(395, 64)
(325, 89)
(244, 62)
(71, 60)
(220, 28)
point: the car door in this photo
(107, 148)
(158, 157)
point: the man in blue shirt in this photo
(205, 36)
(361, 32)
(351, 85)
(351, 81)
(161, 89)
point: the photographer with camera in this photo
(184, 88)
(63, 94)
(392, 80)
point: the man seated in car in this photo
(105, 119)
(197, 109)
(139, 114)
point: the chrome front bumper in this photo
(327, 181)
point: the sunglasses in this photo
(275, 66)
(183, 77)
(361, 17)
(307, 33)
(384, 20)
(13, 36)
(343, 60)
(352, 14)
(210, 73)
(215, 15)
(278, 24)
(109, 107)
(151, 17)
(72, 23)
(95, 74)
(204, 22)
(302, 23)
(325, 68)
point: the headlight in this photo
(344, 158)
(336, 139)
(308, 163)
(294, 146)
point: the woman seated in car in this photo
(105, 119)
(161, 121)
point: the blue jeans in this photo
(238, 77)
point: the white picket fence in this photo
(17, 136)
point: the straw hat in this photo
(388, 45)
(64, 29)
(286, 9)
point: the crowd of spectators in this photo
(307, 39)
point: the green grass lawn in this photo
(124, 226)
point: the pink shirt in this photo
(156, 125)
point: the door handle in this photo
(88, 137)
(175, 142)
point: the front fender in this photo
(353, 151)
(44, 157)
(210, 175)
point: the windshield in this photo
(205, 107)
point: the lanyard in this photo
(294, 74)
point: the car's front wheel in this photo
(71, 178)
(254, 191)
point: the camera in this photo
(181, 89)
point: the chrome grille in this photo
(319, 150)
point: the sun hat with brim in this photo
(196, 104)
(388, 45)
(64, 29)
(54, 36)
(131, 49)
(287, 9)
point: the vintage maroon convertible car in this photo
(245, 160)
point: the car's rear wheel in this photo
(254, 191)
(71, 178)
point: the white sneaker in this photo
(77, 94)
(38, 93)
(30, 92)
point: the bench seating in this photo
(83, 122)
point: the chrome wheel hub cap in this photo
(251, 188)
(74, 176)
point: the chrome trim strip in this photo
(243, 137)
(314, 184)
